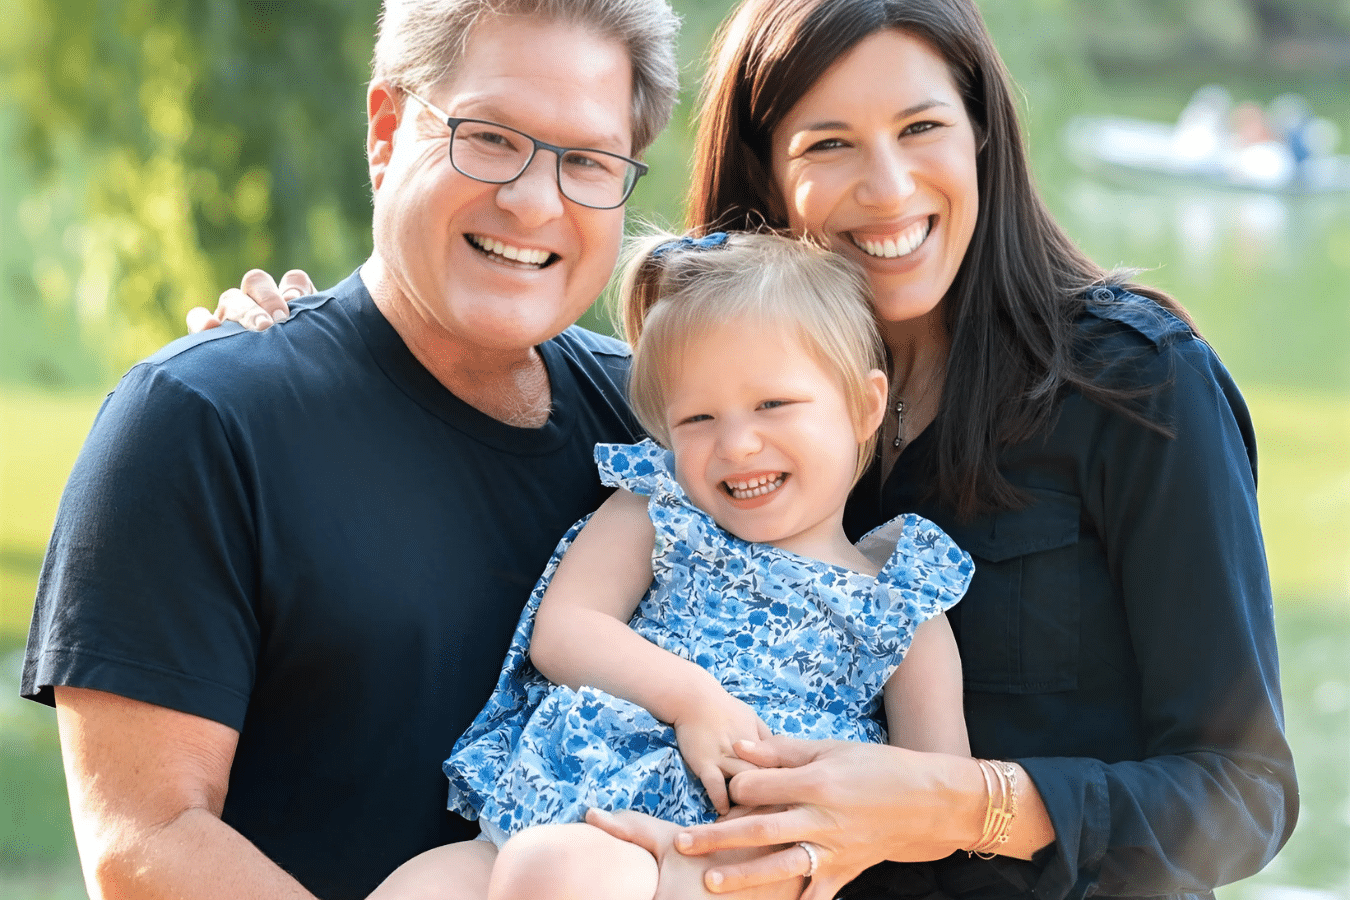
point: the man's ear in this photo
(384, 111)
(874, 404)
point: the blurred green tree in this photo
(159, 148)
(168, 145)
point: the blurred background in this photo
(154, 150)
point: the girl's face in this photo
(763, 438)
(878, 159)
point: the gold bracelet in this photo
(987, 827)
(998, 818)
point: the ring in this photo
(811, 855)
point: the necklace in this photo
(899, 409)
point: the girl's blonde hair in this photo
(674, 289)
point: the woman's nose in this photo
(887, 179)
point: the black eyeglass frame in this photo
(453, 122)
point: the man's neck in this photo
(511, 385)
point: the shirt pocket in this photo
(1018, 625)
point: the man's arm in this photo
(147, 786)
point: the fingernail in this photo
(684, 840)
(600, 814)
(714, 879)
(259, 322)
(292, 294)
(281, 315)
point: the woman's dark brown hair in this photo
(1011, 309)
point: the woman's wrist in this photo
(1009, 817)
(969, 804)
(1000, 809)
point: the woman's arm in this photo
(1208, 795)
(581, 637)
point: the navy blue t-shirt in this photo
(302, 535)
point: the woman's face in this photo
(878, 159)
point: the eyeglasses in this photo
(495, 154)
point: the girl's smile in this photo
(763, 438)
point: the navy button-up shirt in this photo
(1118, 638)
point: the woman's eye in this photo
(826, 144)
(920, 127)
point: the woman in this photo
(1070, 431)
(1078, 439)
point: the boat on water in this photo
(1282, 148)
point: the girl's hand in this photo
(707, 732)
(256, 304)
(857, 804)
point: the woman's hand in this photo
(256, 304)
(681, 877)
(857, 804)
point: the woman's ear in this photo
(384, 110)
(874, 404)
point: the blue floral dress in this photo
(807, 644)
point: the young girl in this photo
(731, 606)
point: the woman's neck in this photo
(918, 351)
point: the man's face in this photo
(476, 267)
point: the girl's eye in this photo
(920, 127)
(773, 404)
(689, 420)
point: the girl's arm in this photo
(923, 696)
(581, 637)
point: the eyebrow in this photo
(837, 125)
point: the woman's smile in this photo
(878, 159)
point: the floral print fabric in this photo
(807, 644)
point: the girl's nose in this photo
(738, 439)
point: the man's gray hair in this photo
(421, 42)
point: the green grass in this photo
(1305, 496)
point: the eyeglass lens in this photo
(499, 154)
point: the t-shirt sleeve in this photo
(1212, 797)
(147, 589)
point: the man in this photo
(286, 567)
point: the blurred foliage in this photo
(156, 149)
(161, 147)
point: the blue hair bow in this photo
(707, 242)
